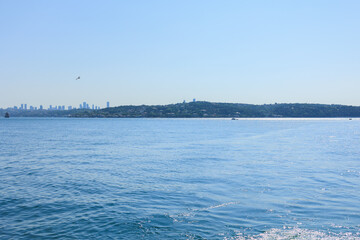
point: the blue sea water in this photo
(66, 178)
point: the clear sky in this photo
(159, 52)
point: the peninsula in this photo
(201, 109)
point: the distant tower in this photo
(50, 107)
(80, 106)
(41, 107)
(25, 105)
(194, 100)
(107, 104)
(92, 107)
(22, 106)
(84, 105)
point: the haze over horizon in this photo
(163, 52)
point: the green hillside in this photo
(217, 110)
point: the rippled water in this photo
(179, 179)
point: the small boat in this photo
(7, 115)
(350, 118)
(233, 119)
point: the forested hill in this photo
(215, 110)
(199, 110)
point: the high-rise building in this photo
(69, 107)
(31, 108)
(25, 106)
(194, 100)
(22, 106)
(50, 107)
(92, 107)
(41, 107)
(107, 104)
(84, 105)
(80, 106)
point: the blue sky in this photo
(160, 52)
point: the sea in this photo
(67, 178)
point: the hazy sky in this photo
(160, 52)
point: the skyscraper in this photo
(25, 105)
(84, 105)
(107, 104)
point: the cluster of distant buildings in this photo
(194, 100)
(83, 105)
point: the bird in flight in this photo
(78, 78)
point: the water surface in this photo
(179, 178)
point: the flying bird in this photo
(78, 78)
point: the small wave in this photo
(297, 233)
(214, 206)
(193, 212)
(218, 206)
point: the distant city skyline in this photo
(161, 52)
(83, 105)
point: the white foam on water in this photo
(193, 212)
(219, 205)
(297, 233)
